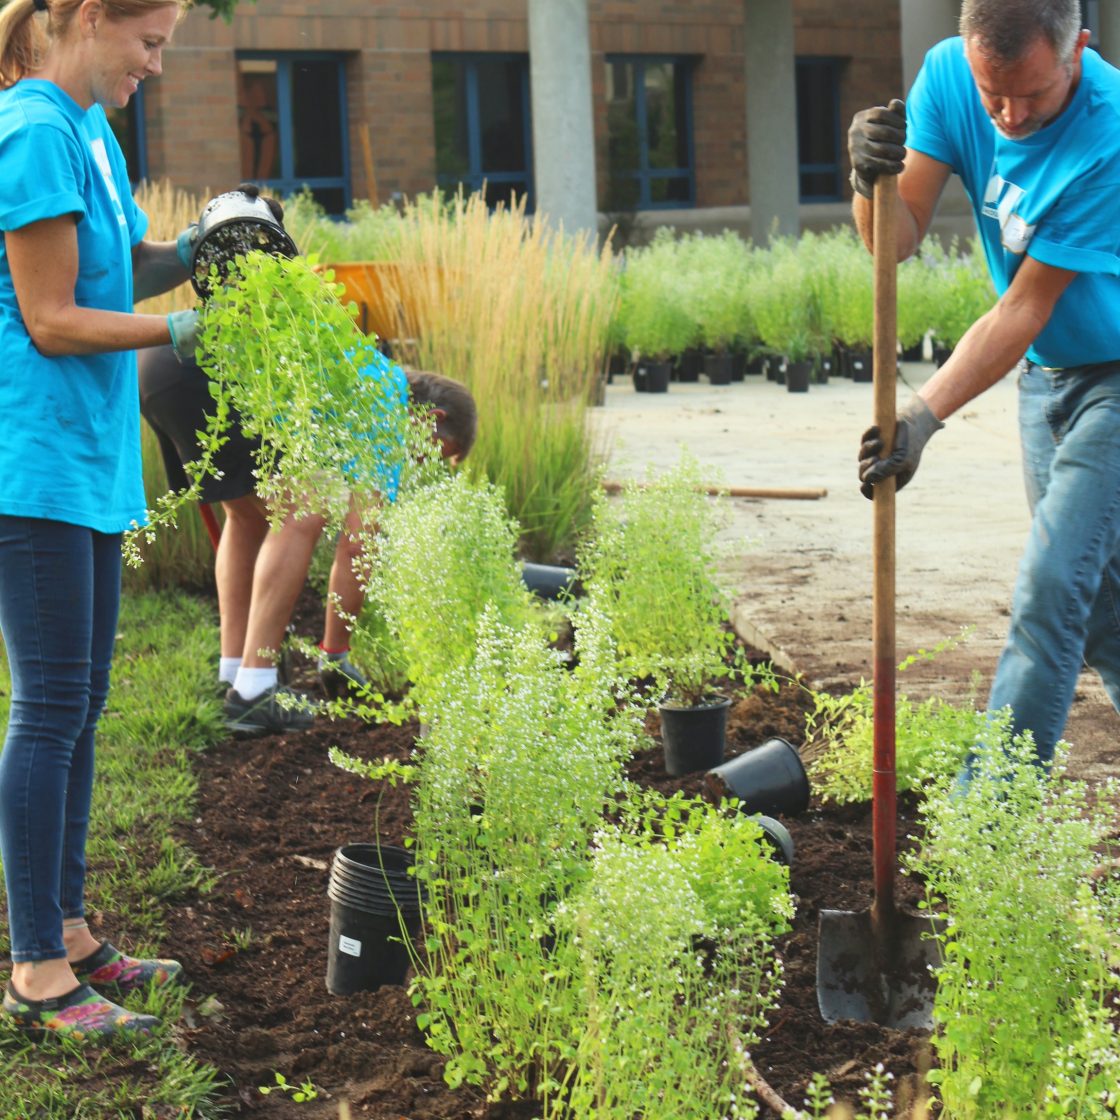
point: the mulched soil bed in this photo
(272, 812)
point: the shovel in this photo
(875, 965)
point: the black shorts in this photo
(175, 400)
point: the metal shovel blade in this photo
(877, 976)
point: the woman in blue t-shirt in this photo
(72, 260)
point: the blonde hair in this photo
(24, 39)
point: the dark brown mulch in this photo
(271, 814)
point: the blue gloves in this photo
(184, 245)
(183, 326)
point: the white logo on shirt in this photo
(1000, 200)
(101, 156)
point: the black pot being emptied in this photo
(231, 225)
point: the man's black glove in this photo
(915, 424)
(877, 144)
(253, 191)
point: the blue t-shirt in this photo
(1054, 196)
(387, 407)
(71, 446)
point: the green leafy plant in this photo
(440, 557)
(932, 738)
(654, 313)
(518, 766)
(305, 1091)
(1029, 944)
(648, 566)
(669, 997)
(280, 348)
(962, 290)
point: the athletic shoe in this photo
(339, 676)
(80, 1014)
(110, 970)
(264, 715)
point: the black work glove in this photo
(877, 144)
(915, 424)
(253, 191)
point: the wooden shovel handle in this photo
(884, 373)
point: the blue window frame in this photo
(128, 127)
(651, 162)
(483, 125)
(818, 129)
(291, 115)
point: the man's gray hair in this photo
(1006, 29)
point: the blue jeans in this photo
(59, 596)
(1066, 606)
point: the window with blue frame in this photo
(291, 115)
(128, 127)
(818, 129)
(649, 133)
(483, 124)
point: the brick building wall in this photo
(191, 112)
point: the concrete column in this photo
(1108, 16)
(771, 118)
(563, 131)
(924, 22)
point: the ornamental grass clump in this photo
(671, 997)
(519, 764)
(648, 566)
(1030, 950)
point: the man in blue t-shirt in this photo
(1029, 117)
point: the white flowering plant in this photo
(1013, 859)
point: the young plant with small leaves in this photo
(648, 566)
(932, 738)
(1029, 944)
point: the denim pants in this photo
(59, 595)
(1066, 606)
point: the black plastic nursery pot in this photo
(738, 365)
(231, 225)
(652, 377)
(549, 581)
(913, 353)
(693, 737)
(375, 907)
(778, 837)
(756, 363)
(689, 364)
(767, 779)
(941, 355)
(860, 362)
(823, 369)
(717, 368)
(798, 375)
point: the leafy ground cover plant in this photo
(1030, 953)
(669, 996)
(441, 556)
(282, 351)
(516, 771)
(648, 566)
(932, 738)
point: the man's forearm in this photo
(990, 348)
